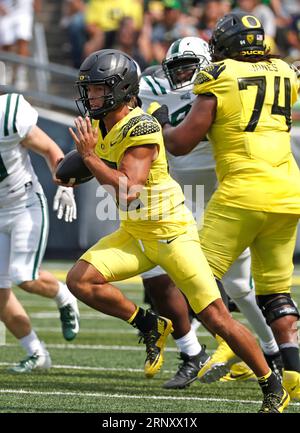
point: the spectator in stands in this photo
(174, 25)
(293, 36)
(103, 17)
(73, 22)
(213, 10)
(16, 22)
(153, 16)
(127, 40)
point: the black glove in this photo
(160, 112)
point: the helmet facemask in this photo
(184, 58)
(181, 70)
(108, 98)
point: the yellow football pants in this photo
(227, 231)
(119, 256)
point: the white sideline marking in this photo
(102, 331)
(92, 315)
(94, 347)
(55, 315)
(91, 331)
(148, 397)
(76, 367)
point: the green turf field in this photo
(102, 370)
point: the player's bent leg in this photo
(239, 285)
(13, 314)
(217, 318)
(169, 301)
(116, 257)
(18, 323)
(91, 287)
(47, 285)
(248, 306)
(282, 314)
(242, 342)
(200, 288)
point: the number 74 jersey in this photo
(250, 134)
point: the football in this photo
(72, 169)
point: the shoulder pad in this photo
(210, 72)
(141, 125)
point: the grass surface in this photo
(101, 371)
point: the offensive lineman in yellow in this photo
(244, 106)
(125, 152)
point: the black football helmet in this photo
(238, 34)
(113, 68)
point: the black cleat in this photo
(275, 403)
(155, 341)
(188, 370)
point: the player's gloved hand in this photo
(64, 203)
(160, 112)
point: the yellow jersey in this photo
(159, 211)
(250, 133)
(107, 14)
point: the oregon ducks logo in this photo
(252, 53)
(250, 39)
(251, 22)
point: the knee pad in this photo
(277, 305)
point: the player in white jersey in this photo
(24, 228)
(16, 23)
(195, 172)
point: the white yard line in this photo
(128, 396)
(101, 331)
(94, 347)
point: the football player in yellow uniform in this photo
(244, 106)
(172, 85)
(125, 151)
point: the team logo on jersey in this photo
(250, 39)
(210, 72)
(147, 125)
(186, 96)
